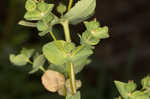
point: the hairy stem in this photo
(70, 4)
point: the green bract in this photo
(43, 9)
(128, 90)
(30, 5)
(146, 82)
(41, 26)
(61, 8)
(96, 31)
(87, 39)
(100, 33)
(92, 25)
(121, 88)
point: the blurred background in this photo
(124, 56)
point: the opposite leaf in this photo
(18, 60)
(81, 11)
(43, 10)
(37, 63)
(55, 53)
(30, 5)
(146, 82)
(27, 52)
(121, 88)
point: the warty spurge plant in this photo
(65, 58)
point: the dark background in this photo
(124, 56)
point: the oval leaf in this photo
(37, 63)
(81, 11)
(18, 60)
(55, 52)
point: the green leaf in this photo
(54, 52)
(45, 8)
(37, 63)
(54, 21)
(81, 52)
(100, 33)
(139, 95)
(38, 14)
(30, 5)
(145, 82)
(130, 86)
(59, 68)
(18, 60)
(26, 23)
(48, 18)
(87, 39)
(76, 96)
(27, 52)
(80, 64)
(41, 26)
(43, 33)
(61, 8)
(81, 11)
(92, 25)
(68, 47)
(33, 15)
(121, 88)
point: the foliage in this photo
(63, 57)
(129, 90)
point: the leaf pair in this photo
(128, 90)
(22, 58)
(94, 33)
(58, 53)
(37, 11)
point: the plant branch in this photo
(70, 4)
(72, 78)
(65, 25)
(53, 36)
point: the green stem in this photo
(72, 78)
(65, 25)
(70, 4)
(53, 36)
